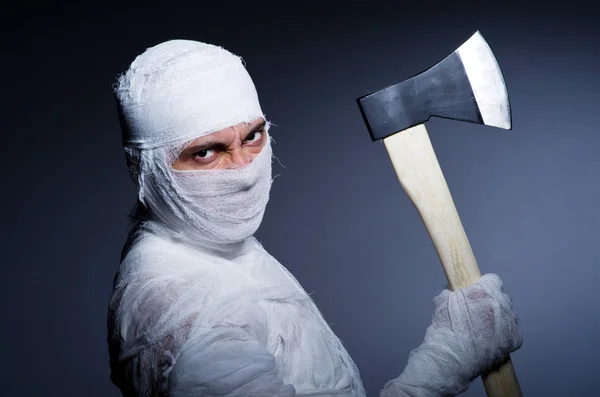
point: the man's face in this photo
(232, 147)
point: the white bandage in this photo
(171, 94)
(473, 328)
(180, 90)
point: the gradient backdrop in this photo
(338, 218)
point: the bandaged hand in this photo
(473, 329)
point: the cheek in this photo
(254, 151)
(221, 161)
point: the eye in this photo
(254, 137)
(204, 155)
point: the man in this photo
(199, 308)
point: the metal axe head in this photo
(467, 85)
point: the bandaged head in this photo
(172, 94)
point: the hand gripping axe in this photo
(468, 86)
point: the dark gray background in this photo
(338, 218)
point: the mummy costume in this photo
(199, 308)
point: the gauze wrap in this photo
(472, 330)
(199, 308)
(188, 322)
(208, 206)
(182, 89)
(172, 94)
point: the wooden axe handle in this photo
(422, 179)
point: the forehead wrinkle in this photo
(251, 126)
(226, 136)
(220, 138)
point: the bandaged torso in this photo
(191, 322)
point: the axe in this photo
(468, 86)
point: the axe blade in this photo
(467, 85)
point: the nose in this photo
(239, 158)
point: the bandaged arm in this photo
(225, 362)
(473, 329)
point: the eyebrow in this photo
(257, 127)
(219, 145)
